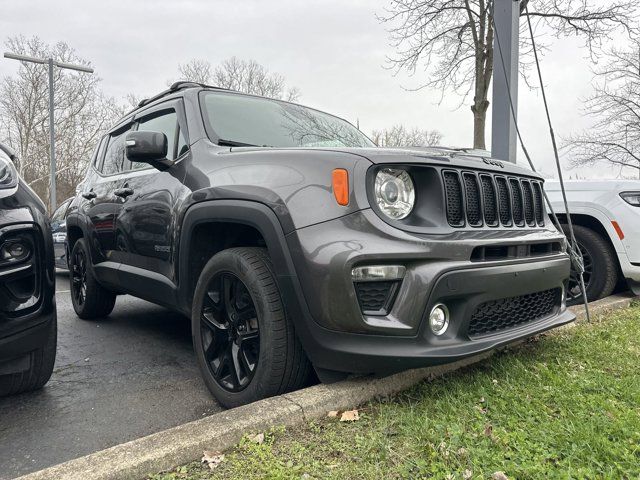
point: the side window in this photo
(183, 146)
(99, 155)
(167, 123)
(115, 157)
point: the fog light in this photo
(439, 319)
(378, 272)
(14, 251)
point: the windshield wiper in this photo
(233, 143)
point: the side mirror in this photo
(148, 147)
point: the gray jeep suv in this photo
(293, 243)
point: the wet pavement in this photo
(115, 380)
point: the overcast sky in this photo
(332, 50)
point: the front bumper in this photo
(25, 337)
(27, 289)
(338, 336)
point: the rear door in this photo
(102, 205)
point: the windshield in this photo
(255, 121)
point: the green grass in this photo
(566, 405)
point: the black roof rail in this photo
(174, 88)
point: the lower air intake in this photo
(497, 315)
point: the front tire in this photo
(90, 299)
(601, 266)
(41, 363)
(244, 341)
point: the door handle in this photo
(89, 195)
(123, 192)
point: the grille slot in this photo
(376, 298)
(453, 191)
(538, 203)
(504, 201)
(516, 197)
(529, 214)
(474, 212)
(489, 199)
(497, 315)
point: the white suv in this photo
(606, 219)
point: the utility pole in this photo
(53, 202)
(506, 17)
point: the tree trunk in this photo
(479, 110)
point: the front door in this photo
(147, 221)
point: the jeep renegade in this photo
(293, 242)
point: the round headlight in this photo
(395, 194)
(8, 174)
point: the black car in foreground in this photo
(28, 320)
(293, 242)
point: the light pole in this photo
(53, 203)
(506, 17)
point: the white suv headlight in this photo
(632, 198)
(395, 193)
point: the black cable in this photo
(574, 250)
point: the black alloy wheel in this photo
(230, 332)
(90, 299)
(244, 341)
(79, 277)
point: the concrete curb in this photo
(185, 443)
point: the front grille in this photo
(492, 200)
(376, 297)
(505, 313)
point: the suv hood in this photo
(433, 155)
(456, 158)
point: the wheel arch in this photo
(212, 226)
(591, 222)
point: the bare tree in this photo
(246, 76)
(615, 105)
(82, 113)
(453, 40)
(196, 71)
(400, 136)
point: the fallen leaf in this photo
(332, 413)
(488, 430)
(350, 416)
(482, 400)
(213, 459)
(257, 438)
(462, 451)
(499, 476)
(467, 474)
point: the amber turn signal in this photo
(340, 180)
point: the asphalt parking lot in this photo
(115, 380)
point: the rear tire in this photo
(90, 299)
(244, 341)
(41, 363)
(601, 266)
